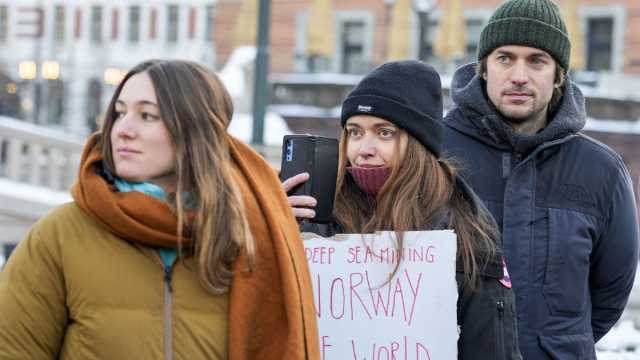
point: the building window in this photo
(172, 23)
(115, 21)
(96, 24)
(208, 35)
(78, 24)
(10, 100)
(153, 17)
(599, 43)
(4, 22)
(59, 23)
(472, 34)
(192, 22)
(94, 93)
(426, 37)
(300, 50)
(352, 44)
(134, 24)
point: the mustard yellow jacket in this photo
(87, 294)
(85, 285)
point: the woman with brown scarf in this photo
(179, 243)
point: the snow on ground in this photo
(307, 111)
(614, 355)
(622, 336)
(607, 92)
(232, 74)
(274, 128)
(28, 201)
(317, 78)
(614, 126)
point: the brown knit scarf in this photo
(271, 311)
(130, 215)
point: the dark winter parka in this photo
(566, 209)
(487, 315)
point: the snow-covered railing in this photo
(37, 156)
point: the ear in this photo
(484, 76)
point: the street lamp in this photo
(50, 70)
(27, 70)
(260, 90)
(32, 73)
(28, 73)
(113, 76)
(11, 88)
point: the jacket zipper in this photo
(500, 336)
(168, 314)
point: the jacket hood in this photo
(484, 122)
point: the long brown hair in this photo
(196, 109)
(420, 192)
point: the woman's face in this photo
(374, 142)
(141, 147)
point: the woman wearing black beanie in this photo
(391, 177)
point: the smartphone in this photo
(318, 156)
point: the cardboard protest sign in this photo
(365, 315)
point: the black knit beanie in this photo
(407, 93)
(533, 23)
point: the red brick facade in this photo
(627, 146)
(283, 27)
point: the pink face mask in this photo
(369, 180)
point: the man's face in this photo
(520, 82)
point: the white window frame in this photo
(618, 13)
(367, 17)
(468, 14)
(165, 20)
(127, 24)
(201, 33)
(105, 18)
(300, 46)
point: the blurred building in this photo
(321, 48)
(609, 32)
(63, 58)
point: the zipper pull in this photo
(167, 277)
(506, 165)
(518, 158)
(500, 305)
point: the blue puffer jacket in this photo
(566, 208)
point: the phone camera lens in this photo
(289, 154)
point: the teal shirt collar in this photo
(168, 256)
(146, 187)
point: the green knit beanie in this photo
(533, 23)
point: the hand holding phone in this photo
(318, 157)
(302, 205)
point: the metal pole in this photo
(423, 19)
(260, 95)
